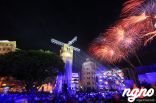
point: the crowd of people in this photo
(65, 97)
(60, 98)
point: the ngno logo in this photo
(137, 93)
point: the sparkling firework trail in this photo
(136, 27)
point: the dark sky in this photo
(33, 23)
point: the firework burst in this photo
(136, 27)
(107, 53)
(147, 9)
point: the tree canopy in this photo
(31, 67)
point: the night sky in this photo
(33, 23)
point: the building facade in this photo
(7, 46)
(88, 75)
(75, 82)
(110, 80)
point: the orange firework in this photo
(130, 7)
(148, 18)
(132, 20)
(137, 25)
(106, 53)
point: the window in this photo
(88, 77)
(8, 49)
(88, 73)
(88, 83)
(75, 79)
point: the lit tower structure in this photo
(66, 54)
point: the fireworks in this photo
(136, 27)
(108, 53)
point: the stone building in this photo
(88, 76)
(7, 46)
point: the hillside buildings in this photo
(7, 46)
